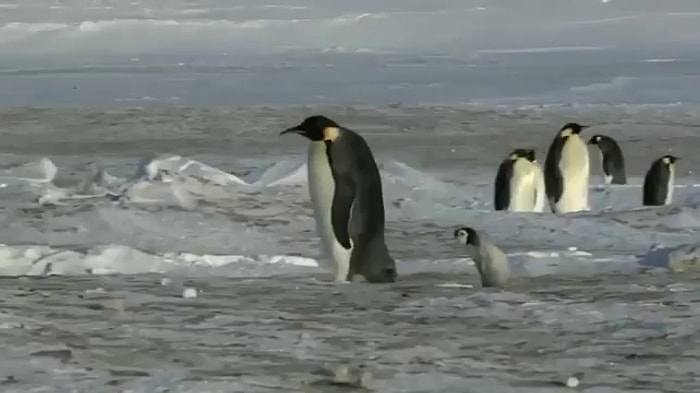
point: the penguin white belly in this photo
(496, 267)
(575, 169)
(491, 263)
(671, 181)
(522, 187)
(321, 190)
(541, 195)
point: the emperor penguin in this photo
(519, 184)
(539, 185)
(659, 180)
(612, 159)
(567, 171)
(490, 261)
(346, 193)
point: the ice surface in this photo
(138, 334)
(142, 210)
(178, 180)
(208, 52)
(412, 196)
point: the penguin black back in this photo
(359, 200)
(501, 195)
(658, 181)
(613, 159)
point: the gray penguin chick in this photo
(490, 261)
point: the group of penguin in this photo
(522, 186)
(345, 189)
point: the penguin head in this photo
(316, 128)
(595, 139)
(466, 236)
(528, 154)
(669, 159)
(570, 129)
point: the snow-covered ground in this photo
(233, 52)
(166, 229)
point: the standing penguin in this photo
(346, 194)
(566, 171)
(517, 180)
(612, 159)
(659, 180)
(490, 261)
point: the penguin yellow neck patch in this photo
(330, 133)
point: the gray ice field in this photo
(208, 278)
(101, 306)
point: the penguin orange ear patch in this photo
(330, 133)
(566, 132)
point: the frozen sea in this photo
(209, 278)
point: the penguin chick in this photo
(490, 261)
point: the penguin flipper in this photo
(343, 198)
(501, 198)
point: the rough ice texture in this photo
(246, 198)
(245, 241)
(259, 335)
(593, 292)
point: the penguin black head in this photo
(596, 139)
(571, 129)
(466, 235)
(669, 159)
(315, 128)
(528, 154)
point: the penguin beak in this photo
(294, 129)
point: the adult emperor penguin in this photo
(519, 185)
(612, 159)
(346, 194)
(539, 185)
(566, 171)
(490, 261)
(659, 180)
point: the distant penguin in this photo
(346, 194)
(540, 194)
(567, 171)
(612, 159)
(539, 186)
(490, 261)
(659, 180)
(517, 183)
